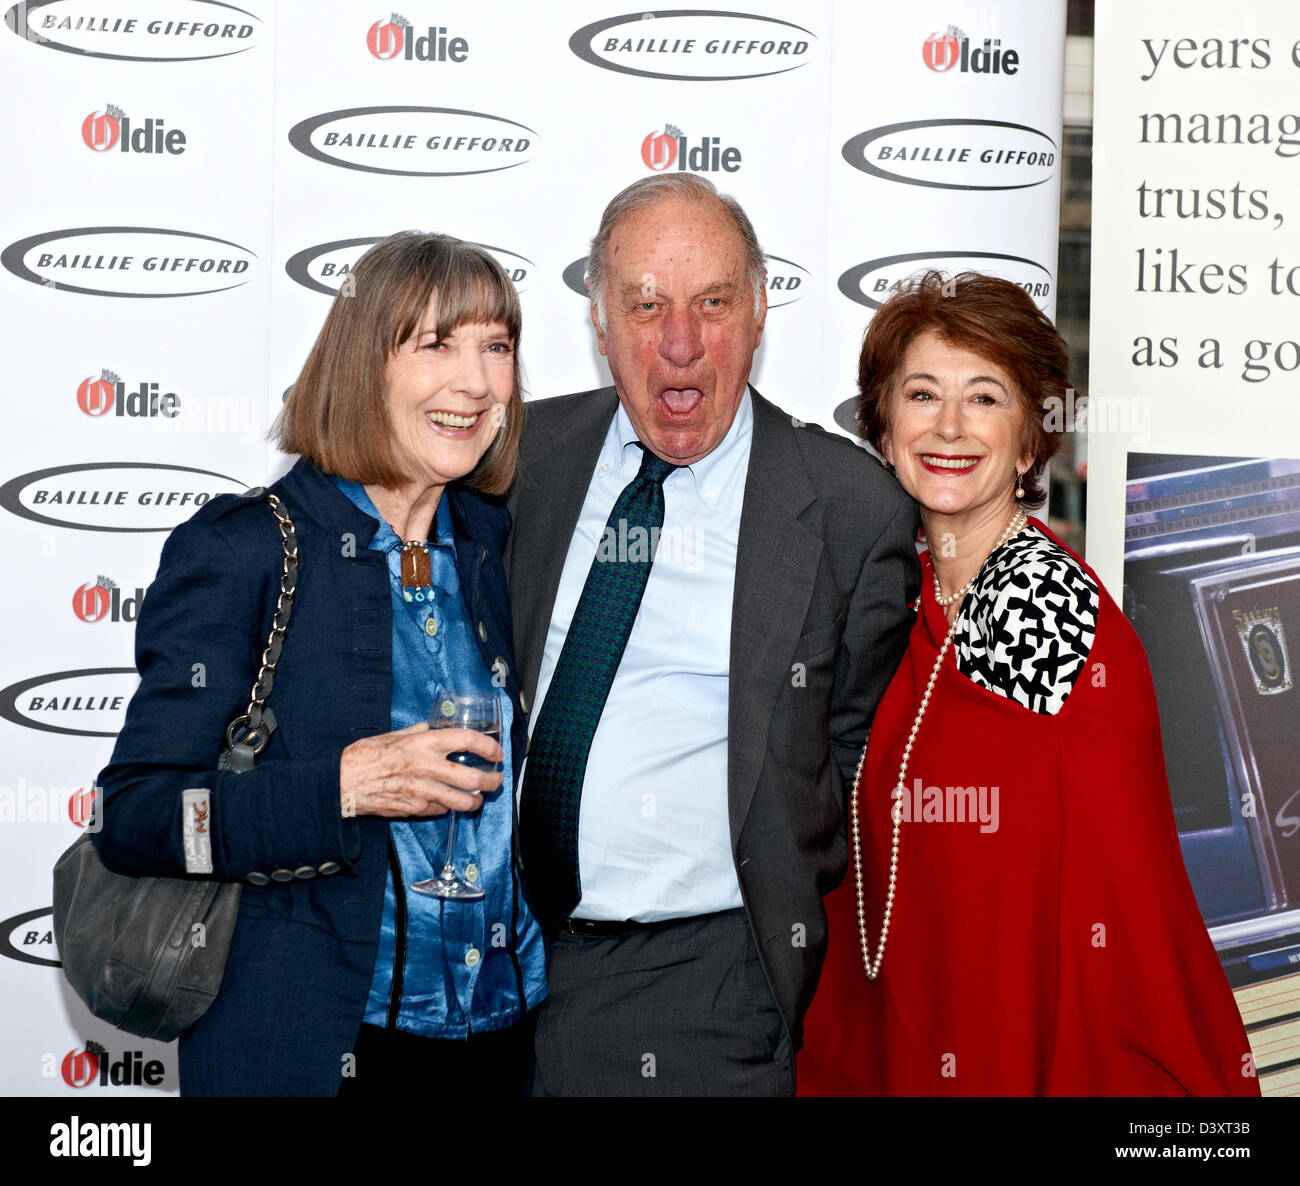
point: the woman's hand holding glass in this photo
(410, 773)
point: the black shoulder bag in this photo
(147, 954)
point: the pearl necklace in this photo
(1017, 522)
(869, 966)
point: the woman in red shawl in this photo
(1016, 919)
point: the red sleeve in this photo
(1144, 1007)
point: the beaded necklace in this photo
(869, 966)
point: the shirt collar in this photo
(710, 476)
(386, 539)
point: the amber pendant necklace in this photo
(416, 572)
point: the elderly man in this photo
(709, 598)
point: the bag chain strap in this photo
(259, 721)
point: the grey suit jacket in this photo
(825, 571)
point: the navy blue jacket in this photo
(301, 960)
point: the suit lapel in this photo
(776, 565)
(555, 470)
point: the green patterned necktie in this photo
(566, 724)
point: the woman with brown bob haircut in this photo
(370, 954)
(334, 409)
(1017, 899)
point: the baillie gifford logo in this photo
(28, 940)
(660, 151)
(874, 281)
(969, 154)
(126, 496)
(127, 261)
(785, 280)
(942, 52)
(395, 38)
(407, 141)
(102, 131)
(90, 702)
(99, 397)
(694, 45)
(327, 267)
(156, 30)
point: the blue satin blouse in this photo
(464, 966)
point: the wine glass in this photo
(461, 710)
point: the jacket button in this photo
(256, 878)
(482, 632)
(431, 625)
(471, 957)
(305, 872)
(329, 868)
(471, 872)
(281, 874)
(523, 700)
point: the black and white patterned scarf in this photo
(1027, 625)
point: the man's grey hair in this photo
(646, 192)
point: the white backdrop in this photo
(188, 180)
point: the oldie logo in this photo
(155, 30)
(114, 495)
(785, 280)
(79, 1067)
(395, 38)
(102, 599)
(94, 1064)
(91, 602)
(942, 52)
(414, 141)
(875, 281)
(662, 150)
(970, 154)
(125, 261)
(87, 703)
(29, 938)
(1264, 642)
(96, 396)
(327, 267)
(102, 131)
(81, 806)
(694, 45)
(99, 397)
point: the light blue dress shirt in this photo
(460, 970)
(653, 834)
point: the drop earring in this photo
(1020, 486)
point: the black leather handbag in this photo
(147, 954)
